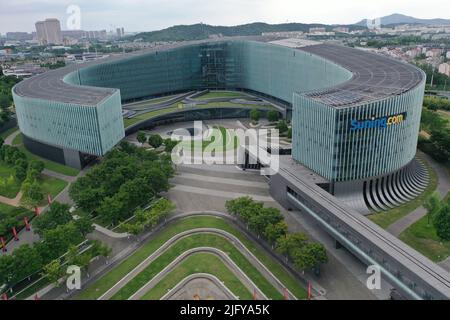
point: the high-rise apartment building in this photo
(49, 31)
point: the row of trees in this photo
(435, 103)
(127, 178)
(272, 115)
(149, 218)
(59, 234)
(439, 79)
(439, 215)
(26, 173)
(155, 140)
(269, 223)
(438, 145)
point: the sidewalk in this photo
(443, 188)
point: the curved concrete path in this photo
(174, 293)
(231, 238)
(232, 266)
(443, 188)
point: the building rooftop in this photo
(374, 76)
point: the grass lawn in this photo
(8, 189)
(100, 286)
(224, 141)
(195, 241)
(386, 218)
(199, 263)
(51, 186)
(18, 140)
(220, 94)
(180, 107)
(147, 103)
(10, 210)
(422, 237)
(446, 115)
(8, 132)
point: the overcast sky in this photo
(147, 15)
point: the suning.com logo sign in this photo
(380, 123)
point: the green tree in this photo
(57, 214)
(57, 241)
(289, 134)
(133, 228)
(75, 258)
(37, 166)
(292, 241)
(32, 193)
(100, 249)
(262, 218)
(170, 144)
(141, 137)
(20, 173)
(155, 140)
(442, 222)
(6, 269)
(84, 225)
(282, 126)
(273, 115)
(432, 204)
(255, 115)
(53, 272)
(27, 261)
(318, 252)
(275, 231)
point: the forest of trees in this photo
(127, 178)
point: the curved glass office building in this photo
(355, 114)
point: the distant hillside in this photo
(397, 18)
(203, 31)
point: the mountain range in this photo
(397, 18)
(203, 31)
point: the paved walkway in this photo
(443, 188)
(167, 245)
(9, 139)
(343, 277)
(12, 202)
(58, 175)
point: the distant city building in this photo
(49, 32)
(444, 68)
(432, 53)
(414, 53)
(317, 30)
(120, 32)
(19, 36)
(448, 54)
(341, 29)
(24, 71)
(287, 34)
(5, 52)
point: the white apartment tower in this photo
(49, 31)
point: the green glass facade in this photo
(322, 138)
(89, 129)
(325, 142)
(267, 68)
